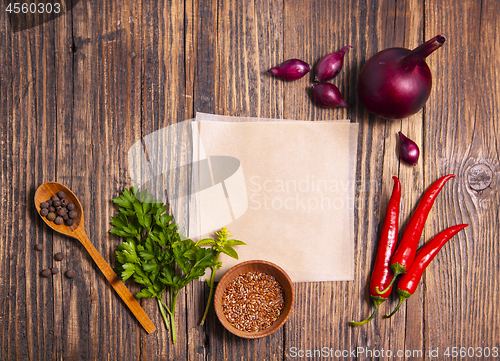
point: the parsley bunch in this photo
(220, 245)
(157, 256)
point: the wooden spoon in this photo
(44, 193)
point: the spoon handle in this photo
(115, 281)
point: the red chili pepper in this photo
(382, 274)
(405, 253)
(409, 281)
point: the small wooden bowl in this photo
(255, 266)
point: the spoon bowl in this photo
(76, 230)
(45, 192)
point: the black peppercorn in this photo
(65, 217)
(58, 220)
(49, 202)
(55, 270)
(55, 198)
(70, 206)
(44, 205)
(39, 247)
(51, 216)
(52, 209)
(46, 273)
(44, 212)
(70, 273)
(64, 202)
(61, 212)
(69, 222)
(72, 214)
(56, 204)
(59, 256)
(61, 195)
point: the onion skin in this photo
(330, 65)
(292, 69)
(396, 83)
(408, 150)
(328, 95)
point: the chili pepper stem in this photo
(403, 296)
(397, 269)
(367, 320)
(377, 301)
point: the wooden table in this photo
(78, 91)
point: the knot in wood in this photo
(479, 177)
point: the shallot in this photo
(330, 65)
(408, 150)
(292, 69)
(328, 95)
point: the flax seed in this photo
(253, 301)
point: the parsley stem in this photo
(162, 311)
(173, 300)
(212, 288)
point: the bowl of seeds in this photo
(254, 299)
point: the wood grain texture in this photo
(463, 132)
(78, 91)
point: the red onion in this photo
(328, 95)
(408, 150)
(330, 65)
(292, 69)
(395, 83)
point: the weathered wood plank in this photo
(27, 124)
(103, 90)
(249, 42)
(201, 89)
(164, 103)
(462, 130)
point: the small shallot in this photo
(328, 95)
(330, 65)
(292, 69)
(408, 149)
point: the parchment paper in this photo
(299, 199)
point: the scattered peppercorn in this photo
(51, 216)
(46, 273)
(70, 273)
(39, 247)
(54, 270)
(44, 212)
(44, 205)
(59, 256)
